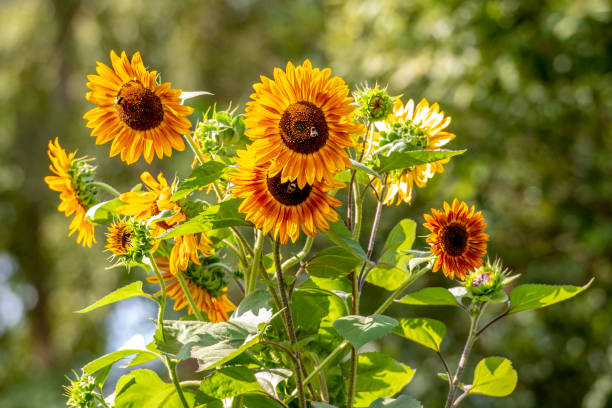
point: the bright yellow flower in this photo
(424, 120)
(282, 207)
(457, 238)
(301, 122)
(72, 180)
(144, 205)
(217, 306)
(139, 116)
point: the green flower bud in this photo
(81, 392)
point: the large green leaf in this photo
(379, 376)
(112, 358)
(259, 401)
(403, 401)
(104, 213)
(200, 176)
(211, 344)
(402, 160)
(426, 332)
(143, 388)
(334, 262)
(254, 308)
(224, 214)
(390, 277)
(535, 296)
(430, 297)
(229, 382)
(359, 330)
(363, 168)
(495, 377)
(400, 238)
(134, 289)
(342, 236)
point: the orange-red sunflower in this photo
(282, 207)
(457, 238)
(301, 122)
(207, 287)
(139, 116)
(73, 180)
(144, 205)
(423, 127)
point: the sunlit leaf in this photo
(495, 377)
(342, 236)
(359, 330)
(426, 332)
(112, 358)
(104, 213)
(201, 176)
(332, 263)
(430, 297)
(134, 289)
(400, 238)
(535, 296)
(143, 388)
(403, 401)
(229, 382)
(402, 160)
(379, 376)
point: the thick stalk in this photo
(349, 204)
(106, 187)
(471, 339)
(377, 215)
(162, 300)
(352, 379)
(289, 319)
(358, 213)
(172, 370)
(187, 293)
(251, 278)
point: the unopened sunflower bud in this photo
(81, 392)
(486, 281)
(374, 104)
(129, 240)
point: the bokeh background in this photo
(529, 87)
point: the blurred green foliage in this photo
(529, 86)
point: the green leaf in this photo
(254, 308)
(113, 357)
(362, 167)
(535, 296)
(308, 309)
(224, 214)
(379, 376)
(200, 176)
(402, 160)
(212, 344)
(142, 358)
(134, 289)
(229, 382)
(426, 332)
(359, 330)
(334, 262)
(316, 404)
(105, 212)
(430, 297)
(339, 234)
(403, 401)
(389, 277)
(495, 377)
(143, 388)
(400, 238)
(259, 401)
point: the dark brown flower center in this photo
(303, 127)
(138, 107)
(287, 193)
(126, 239)
(454, 239)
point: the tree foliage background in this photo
(529, 86)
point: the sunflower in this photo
(457, 238)
(282, 207)
(207, 287)
(144, 205)
(119, 238)
(301, 122)
(139, 116)
(73, 180)
(421, 128)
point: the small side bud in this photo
(486, 282)
(373, 104)
(81, 392)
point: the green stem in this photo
(240, 238)
(299, 256)
(289, 319)
(401, 289)
(162, 300)
(251, 277)
(100, 398)
(172, 370)
(106, 187)
(358, 213)
(237, 401)
(187, 293)
(195, 148)
(352, 379)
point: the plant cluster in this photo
(272, 175)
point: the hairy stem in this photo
(162, 300)
(106, 187)
(251, 277)
(187, 293)
(299, 256)
(172, 370)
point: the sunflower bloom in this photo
(423, 126)
(208, 294)
(72, 179)
(457, 238)
(144, 205)
(282, 207)
(139, 116)
(301, 122)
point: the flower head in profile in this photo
(282, 207)
(301, 122)
(129, 240)
(411, 128)
(207, 285)
(457, 238)
(144, 205)
(140, 117)
(73, 179)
